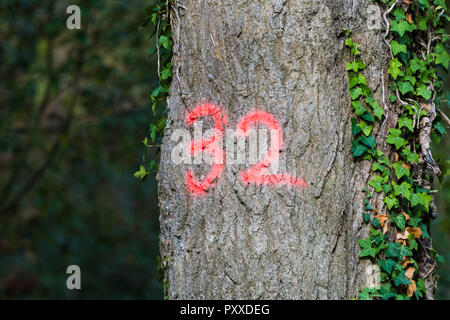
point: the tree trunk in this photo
(259, 241)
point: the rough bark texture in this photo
(260, 242)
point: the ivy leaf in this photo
(442, 57)
(376, 223)
(141, 174)
(414, 222)
(391, 201)
(410, 156)
(366, 128)
(376, 183)
(406, 122)
(355, 128)
(416, 64)
(397, 47)
(411, 79)
(361, 64)
(399, 220)
(387, 265)
(413, 245)
(401, 279)
(421, 199)
(424, 4)
(386, 292)
(440, 128)
(399, 14)
(352, 80)
(440, 3)
(368, 116)
(355, 93)
(422, 22)
(424, 229)
(378, 166)
(358, 149)
(395, 139)
(405, 87)
(165, 74)
(368, 252)
(365, 243)
(349, 42)
(368, 141)
(366, 217)
(394, 68)
(405, 251)
(423, 91)
(401, 27)
(362, 79)
(393, 250)
(400, 170)
(377, 110)
(359, 109)
(404, 189)
(352, 66)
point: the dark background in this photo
(74, 108)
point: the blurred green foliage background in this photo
(74, 107)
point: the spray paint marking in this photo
(210, 146)
(257, 174)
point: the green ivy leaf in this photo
(401, 279)
(355, 93)
(391, 201)
(402, 26)
(368, 252)
(404, 189)
(422, 22)
(405, 87)
(394, 68)
(413, 245)
(352, 66)
(387, 265)
(423, 91)
(424, 4)
(421, 199)
(397, 47)
(411, 79)
(358, 149)
(359, 109)
(366, 128)
(417, 64)
(166, 74)
(399, 220)
(386, 292)
(366, 217)
(355, 128)
(400, 171)
(395, 139)
(376, 183)
(410, 156)
(393, 250)
(376, 223)
(442, 57)
(368, 141)
(406, 122)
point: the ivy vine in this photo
(159, 16)
(418, 58)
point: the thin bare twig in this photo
(444, 116)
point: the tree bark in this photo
(271, 242)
